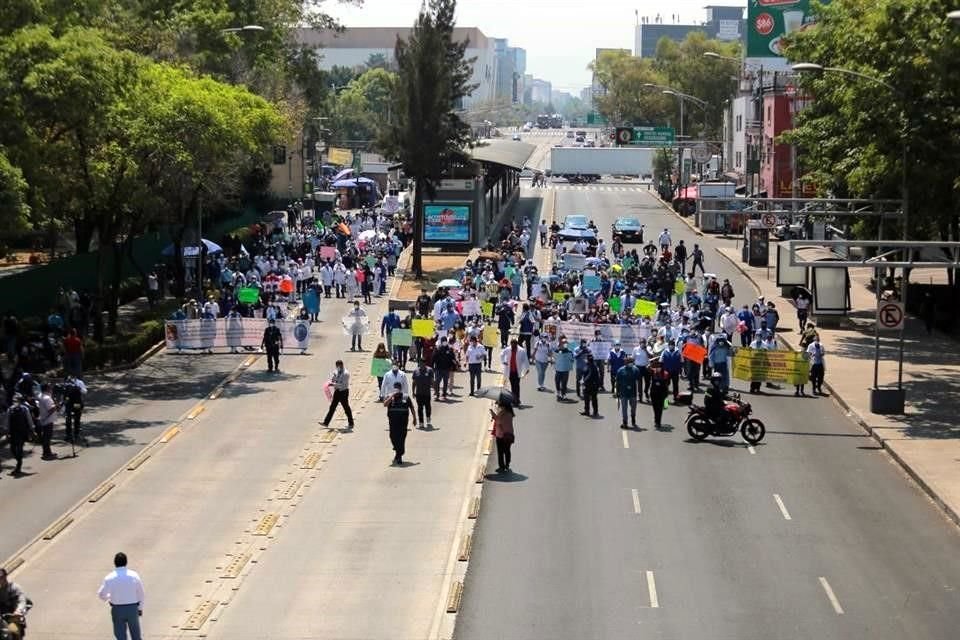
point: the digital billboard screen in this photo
(446, 223)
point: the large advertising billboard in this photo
(768, 21)
(446, 222)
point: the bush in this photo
(131, 289)
(123, 349)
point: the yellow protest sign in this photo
(679, 287)
(762, 365)
(559, 297)
(423, 328)
(487, 309)
(491, 336)
(645, 308)
(342, 157)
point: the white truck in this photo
(587, 164)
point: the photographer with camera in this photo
(14, 605)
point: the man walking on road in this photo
(422, 387)
(591, 386)
(476, 354)
(47, 416)
(123, 589)
(340, 382)
(664, 240)
(515, 365)
(19, 428)
(815, 351)
(399, 407)
(392, 377)
(697, 256)
(273, 342)
(627, 378)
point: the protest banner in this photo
(591, 283)
(232, 333)
(645, 308)
(248, 295)
(628, 262)
(694, 352)
(601, 350)
(559, 296)
(491, 337)
(487, 309)
(579, 305)
(679, 287)
(328, 253)
(401, 337)
(762, 365)
(628, 335)
(615, 304)
(471, 307)
(371, 261)
(379, 367)
(311, 301)
(423, 328)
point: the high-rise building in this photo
(354, 46)
(541, 91)
(722, 23)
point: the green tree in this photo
(426, 134)
(852, 133)
(625, 99)
(14, 209)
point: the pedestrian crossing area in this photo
(594, 187)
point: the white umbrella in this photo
(369, 234)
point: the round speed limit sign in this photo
(769, 220)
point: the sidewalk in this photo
(926, 440)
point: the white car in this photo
(527, 127)
(516, 137)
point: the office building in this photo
(354, 46)
(722, 23)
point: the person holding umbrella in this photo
(502, 430)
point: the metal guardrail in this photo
(882, 261)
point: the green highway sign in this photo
(654, 136)
(595, 118)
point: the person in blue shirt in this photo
(449, 318)
(672, 363)
(746, 317)
(718, 357)
(626, 388)
(390, 322)
(580, 356)
(563, 362)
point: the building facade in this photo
(541, 91)
(354, 46)
(722, 23)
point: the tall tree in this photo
(625, 99)
(854, 131)
(427, 136)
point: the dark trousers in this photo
(16, 450)
(401, 355)
(355, 342)
(72, 413)
(675, 382)
(476, 370)
(560, 381)
(423, 405)
(523, 340)
(489, 361)
(273, 359)
(46, 435)
(643, 384)
(816, 377)
(515, 387)
(326, 290)
(697, 263)
(656, 401)
(693, 374)
(441, 380)
(340, 397)
(504, 337)
(398, 438)
(503, 453)
(589, 400)
(124, 617)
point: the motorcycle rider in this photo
(714, 401)
(14, 605)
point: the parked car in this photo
(516, 137)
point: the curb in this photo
(666, 204)
(860, 421)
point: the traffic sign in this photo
(701, 153)
(769, 220)
(890, 315)
(654, 136)
(624, 135)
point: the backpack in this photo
(72, 394)
(18, 422)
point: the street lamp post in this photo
(811, 67)
(682, 97)
(247, 28)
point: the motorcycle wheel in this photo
(697, 428)
(753, 431)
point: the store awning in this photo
(509, 153)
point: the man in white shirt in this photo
(729, 321)
(46, 417)
(123, 589)
(543, 233)
(392, 377)
(664, 240)
(641, 360)
(476, 356)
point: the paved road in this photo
(571, 544)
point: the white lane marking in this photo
(783, 507)
(636, 501)
(831, 596)
(652, 588)
(626, 443)
(752, 451)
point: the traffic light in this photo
(624, 135)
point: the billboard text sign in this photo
(768, 21)
(446, 222)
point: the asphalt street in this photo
(604, 533)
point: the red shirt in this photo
(513, 360)
(73, 344)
